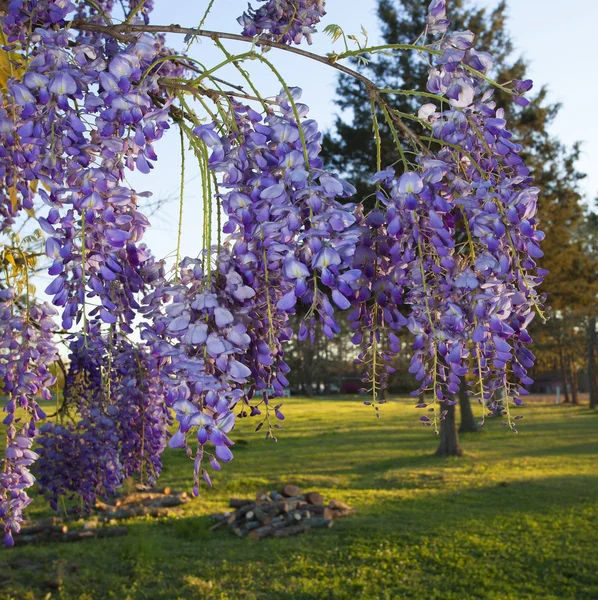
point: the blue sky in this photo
(559, 43)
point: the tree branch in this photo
(120, 31)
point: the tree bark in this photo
(565, 377)
(468, 423)
(592, 367)
(449, 437)
(574, 383)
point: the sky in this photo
(557, 39)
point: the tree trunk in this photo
(565, 377)
(592, 367)
(573, 375)
(449, 437)
(468, 423)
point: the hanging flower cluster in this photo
(142, 417)
(284, 21)
(87, 439)
(90, 449)
(290, 240)
(454, 242)
(75, 122)
(113, 426)
(448, 252)
(26, 353)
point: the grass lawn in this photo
(515, 518)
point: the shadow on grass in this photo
(505, 521)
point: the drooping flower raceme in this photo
(142, 418)
(454, 242)
(87, 440)
(27, 351)
(114, 423)
(284, 21)
(290, 245)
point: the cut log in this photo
(43, 528)
(339, 505)
(262, 516)
(149, 498)
(261, 532)
(219, 517)
(293, 503)
(166, 501)
(70, 536)
(321, 511)
(239, 502)
(314, 498)
(251, 525)
(276, 508)
(266, 530)
(337, 513)
(290, 490)
(241, 512)
(262, 497)
(318, 522)
(138, 511)
(292, 530)
(276, 496)
(150, 501)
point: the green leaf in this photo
(334, 31)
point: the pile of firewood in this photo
(280, 514)
(142, 502)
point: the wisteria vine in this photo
(447, 253)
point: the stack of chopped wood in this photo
(280, 514)
(154, 502)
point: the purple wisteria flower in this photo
(117, 426)
(284, 21)
(27, 350)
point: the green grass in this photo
(515, 518)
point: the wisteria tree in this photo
(446, 248)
